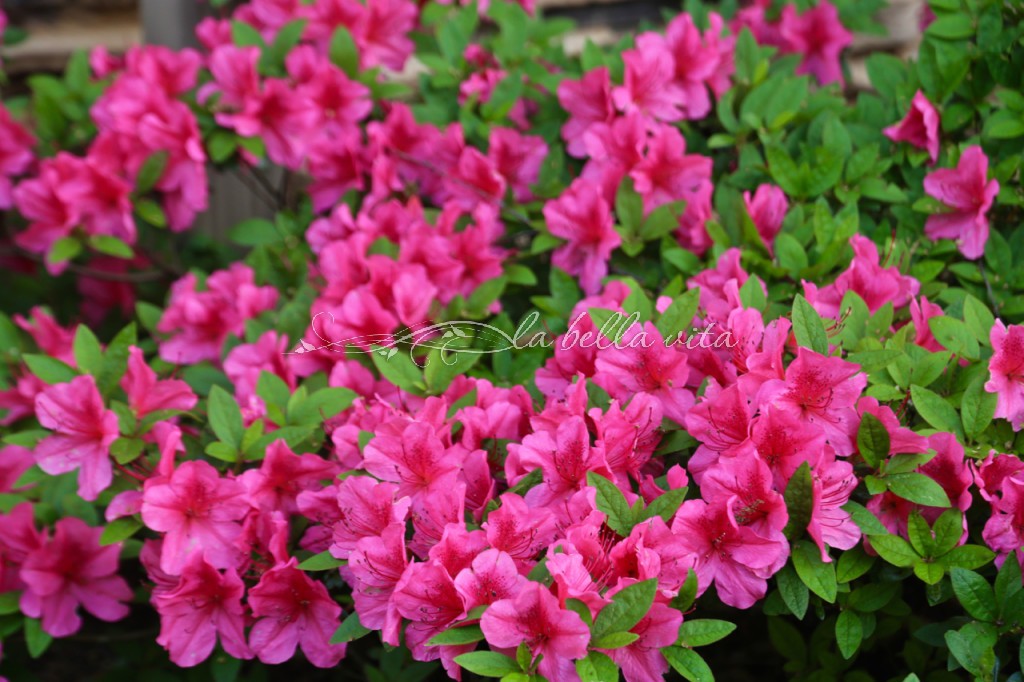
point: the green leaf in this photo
(954, 336)
(918, 488)
(115, 360)
(488, 663)
(612, 503)
(111, 246)
(455, 636)
(119, 529)
(935, 410)
(225, 417)
(321, 406)
(614, 640)
(688, 663)
(977, 408)
(323, 561)
(150, 212)
(397, 367)
(979, 319)
(853, 564)
(245, 35)
(349, 630)
(704, 631)
(849, 633)
(255, 232)
(865, 520)
(628, 607)
(9, 603)
(1008, 582)
(974, 594)
(63, 250)
(873, 440)
(36, 640)
(920, 534)
(808, 326)
(948, 529)
(895, 550)
(50, 370)
(794, 592)
(819, 577)
(151, 172)
(678, 317)
(952, 27)
(662, 221)
(629, 205)
(666, 505)
(799, 498)
(597, 667)
(87, 350)
(967, 556)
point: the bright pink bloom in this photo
(1006, 372)
(416, 459)
(282, 476)
(701, 61)
(426, 596)
(203, 605)
(920, 127)
(16, 154)
(52, 338)
(247, 361)
(14, 461)
(565, 456)
(583, 218)
(767, 208)
(520, 530)
(830, 525)
(822, 391)
(969, 194)
(641, 363)
(198, 511)
(201, 321)
(475, 179)
(867, 278)
(818, 35)
(18, 537)
(1004, 531)
(668, 173)
(366, 508)
(382, 33)
(518, 159)
(294, 611)
(376, 565)
(148, 394)
(744, 484)
(920, 312)
(588, 101)
(734, 557)
(650, 86)
(69, 570)
(535, 617)
(491, 577)
(84, 431)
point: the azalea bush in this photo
(533, 365)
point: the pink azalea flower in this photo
(491, 577)
(919, 128)
(868, 279)
(1006, 379)
(282, 475)
(649, 85)
(1004, 530)
(721, 423)
(785, 442)
(668, 173)
(382, 30)
(147, 394)
(734, 557)
(583, 218)
(18, 538)
(294, 611)
(426, 596)
(969, 194)
(197, 510)
(535, 617)
(376, 565)
(84, 431)
(16, 154)
(831, 526)
(614, 149)
(366, 508)
(518, 159)
(52, 338)
(565, 457)
(822, 391)
(744, 483)
(14, 461)
(642, 363)
(246, 362)
(520, 530)
(69, 570)
(701, 61)
(767, 209)
(416, 459)
(588, 101)
(818, 35)
(203, 605)
(920, 312)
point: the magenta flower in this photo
(734, 557)
(198, 511)
(415, 459)
(427, 598)
(518, 159)
(701, 61)
(968, 193)
(588, 101)
(69, 570)
(1006, 372)
(650, 87)
(16, 154)
(294, 611)
(565, 457)
(744, 483)
(1004, 530)
(535, 617)
(366, 508)
(18, 538)
(520, 530)
(282, 476)
(247, 361)
(205, 604)
(583, 218)
(491, 577)
(667, 173)
(376, 565)
(84, 431)
(818, 35)
(147, 394)
(642, 661)
(767, 208)
(830, 525)
(920, 127)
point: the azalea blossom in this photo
(920, 127)
(968, 194)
